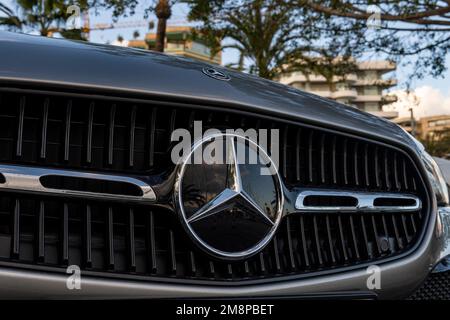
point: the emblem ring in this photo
(178, 200)
(216, 74)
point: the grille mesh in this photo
(436, 287)
(131, 138)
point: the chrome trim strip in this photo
(27, 179)
(365, 201)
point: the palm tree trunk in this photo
(163, 13)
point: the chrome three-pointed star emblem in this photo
(230, 208)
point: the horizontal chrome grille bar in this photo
(36, 180)
(353, 201)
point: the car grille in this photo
(102, 134)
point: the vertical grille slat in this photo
(131, 241)
(110, 238)
(15, 243)
(173, 260)
(310, 158)
(20, 120)
(67, 130)
(262, 263)
(366, 239)
(44, 129)
(112, 119)
(297, 155)
(405, 228)
(151, 245)
(414, 184)
(284, 150)
(173, 118)
(290, 245)
(330, 239)
(41, 232)
(322, 159)
(192, 263)
(356, 164)
(334, 164)
(276, 254)
(90, 129)
(212, 270)
(377, 167)
(344, 155)
(132, 136)
(386, 170)
(355, 240)
(341, 236)
(88, 237)
(386, 232)
(413, 223)
(65, 235)
(317, 241)
(375, 233)
(366, 164)
(405, 175)
(397, 234)
(152, 130)
(397, 181)
(246, 268)
(304, 243)
(229, 271)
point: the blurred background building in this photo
(363, 89)
(179, 41)
(426, 128)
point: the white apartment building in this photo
(363, 89)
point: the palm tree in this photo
(163, 11)
(10, 20)
(44, 16)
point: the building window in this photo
(371, 106)
(371, 91)
(437, 123)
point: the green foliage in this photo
(275, 36)
(50, 16)
(44, 16)
(415, 33)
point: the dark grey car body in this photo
(120, 72)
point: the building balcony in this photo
(298, 77)
(368, 98)
(381, 65)
(345, 94)
(376, 98)
(376, 82)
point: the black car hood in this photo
(34, 59)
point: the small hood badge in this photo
(216, 74)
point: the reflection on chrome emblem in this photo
(230, 209)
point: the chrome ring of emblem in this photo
(178, 200)
(216, 74)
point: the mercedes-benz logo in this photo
(216, 74)
(230, 209)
